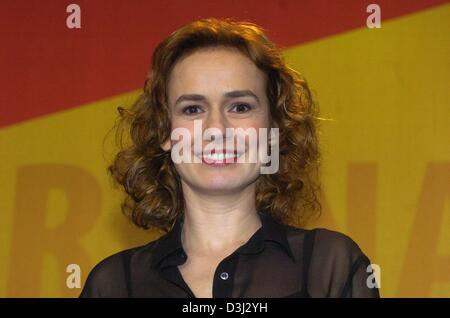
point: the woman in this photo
(227, 222)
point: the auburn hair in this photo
(153, 194)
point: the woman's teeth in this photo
(219, 156)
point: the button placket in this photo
(223, 277)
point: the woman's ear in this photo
(166, 145)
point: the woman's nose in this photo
(217, 120)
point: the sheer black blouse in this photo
(277, 261)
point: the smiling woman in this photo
(230, 228)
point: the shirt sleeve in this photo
(339, 268)
(106, 279)
(360, 282)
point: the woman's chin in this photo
(220, 185)
(218, 180)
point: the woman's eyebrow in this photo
(190, 97)
(241, 93)
(231, 94)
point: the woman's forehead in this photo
(215, 69)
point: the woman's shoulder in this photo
(108, 278)
(329, 243)
(337, 265)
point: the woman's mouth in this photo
(220, 159)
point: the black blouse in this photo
(277, 261)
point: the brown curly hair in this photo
(153, 190)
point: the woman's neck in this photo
(217, 225)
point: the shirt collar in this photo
(168, 245)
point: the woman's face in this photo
(220, 88)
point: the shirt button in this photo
(224, 275)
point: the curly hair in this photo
(154, 197)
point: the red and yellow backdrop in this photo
(386, 153)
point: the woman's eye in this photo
(241, 108)
(193, 109)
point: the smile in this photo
(220, 158)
